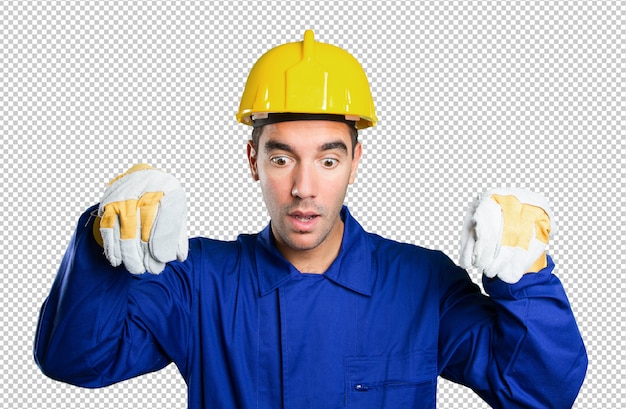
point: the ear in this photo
(252, 162)
(358, 152)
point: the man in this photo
(312, 312)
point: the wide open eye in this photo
(280, 161)
(329, 163)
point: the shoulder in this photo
(399, 256)
(417, 266)
(384, 248)
(221, 255)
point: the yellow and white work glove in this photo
(506, 232)
(143, 220)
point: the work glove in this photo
(143, 220)
(505, 233)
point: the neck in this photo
(318, 259)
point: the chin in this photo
(303, 245)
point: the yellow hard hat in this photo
(307, 77)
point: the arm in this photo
(521, 346)
(100, 324)
(518, 348)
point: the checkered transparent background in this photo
(470, 95)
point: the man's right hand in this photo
(143, 220)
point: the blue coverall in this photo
(247, 330)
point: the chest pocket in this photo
(400, 381)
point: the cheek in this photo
(273, 188)
(335, 188)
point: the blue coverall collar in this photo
(351, 269)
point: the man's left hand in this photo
(506, 232)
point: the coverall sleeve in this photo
(520, 347)
(100, 324)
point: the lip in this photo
(303, 221)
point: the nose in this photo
(305, 182)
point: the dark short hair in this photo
(257, 131)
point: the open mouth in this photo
(304, 219)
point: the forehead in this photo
(306, 134)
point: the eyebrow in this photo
(335, 145)
(279, 146)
